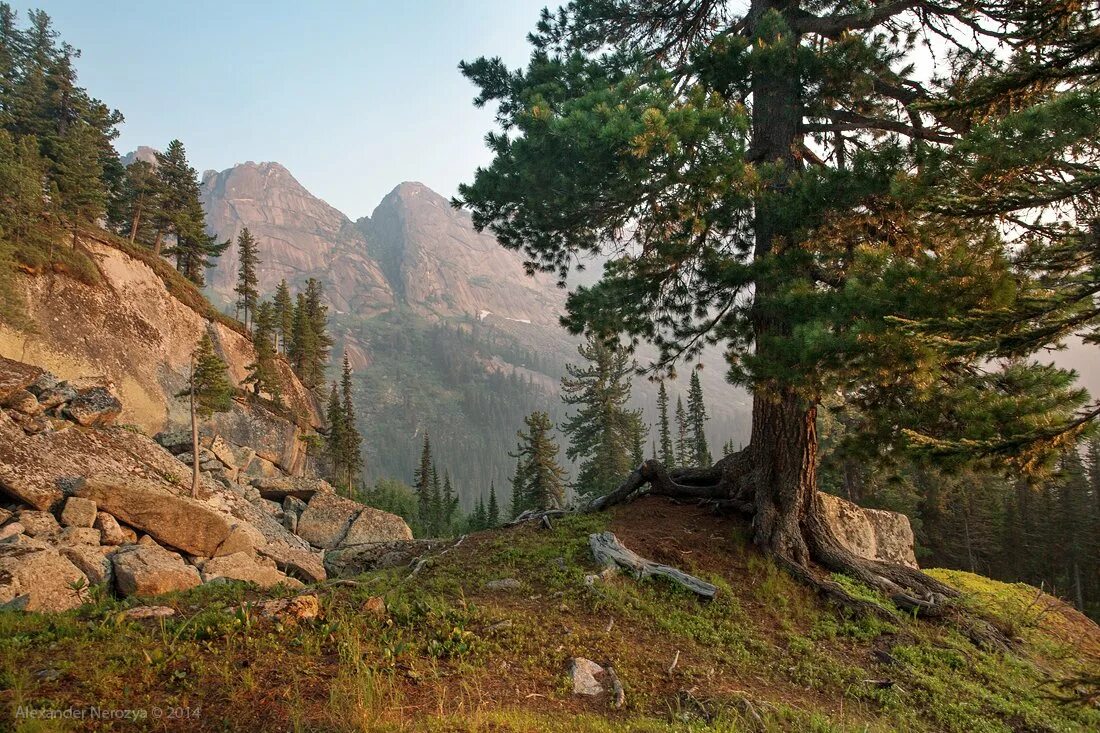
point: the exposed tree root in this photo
(798, 536)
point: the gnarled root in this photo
(795, 538)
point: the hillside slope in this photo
(481, 638)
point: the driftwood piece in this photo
(618, 695)
(542, 516)
(610, 552)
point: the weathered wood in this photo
(618, 695)
(538, 515)
(610, 552)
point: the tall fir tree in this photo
(519, 490)
(683, 440)
(603, 433)
(543, 479)
(666, 452)
(247, 288)
(351, 452)
(181, 215)
(697, 418)
(263, 374)
(284, 314)
(208, 391)
(492, 515)
(336, 439)
(140, 201)
(422, 485)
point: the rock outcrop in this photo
(38, 578)
(149, 570)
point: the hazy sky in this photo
(353, 97)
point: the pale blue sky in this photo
(352, 97)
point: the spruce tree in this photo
(263, 374)
(519, 490)
(492, 516)
(247, 288)
(351, 452)
(335, 440)
(140, 199)
(843, 218)
(696, 418)
(603, 433)
(284, 315)
(683, 441)
(543, 479)
(435, 505)
(422, 484)
(667, 453)
(180, 214)
(209, 391)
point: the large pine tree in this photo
(697, 422)
(603, 433)
(208, 391)
(181, 216)
(666, 452)
(247, 288)
(542, 484)
(846, 210)
(284, 314)
(263, 374)
(351, 452)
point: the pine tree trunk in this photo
(158, 242)
(194, 437)
(135, 222)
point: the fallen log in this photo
(610, 552)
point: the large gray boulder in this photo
(34, 578)
(331, 521)
(177, 521)
(94, 562)
(78, 512)
(874, 534)
(149, 570)
(94, 407)
(244, 566)
(375, 525)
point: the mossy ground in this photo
(452, 655)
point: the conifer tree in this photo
(422, 484)
(683, 442)
(435, 505)
(479, 519)
(335, 440)
(209, 391)
(543, 479)
(247, 288)
(603, 433)
(180, 214)
(284, 315)
(351, 452)
(519, 490)
(263, 374)
(448, 504)
(807, 184)
(140, 193)
(492, 515)
(667, 453)
(697, 418)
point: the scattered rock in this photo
(23, 402)
(290, 522)
(143, 612)
(56, 396)
(38, 523)
(91, 561)
(148, 570)
(173, 520)
(32, 425)
(15, 376)
(245, 567)
(79, 536)
(11, 530)
(43, 383)
(110, 531)
(261, 468)
(298, 563)
(233, 456)
(38, 579)
(293, 505)
(326, 520)
(205, 457)
(94, 407)
(584, 673)
(174, 441)
(28, 489)
(375, 525)
(5, 515)
(504, 584)
(78, 512)
(375, 606)
(290, 610)
(297, 486)
(874, 534)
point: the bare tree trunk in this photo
(134, 223)
(157, 242)
(194, 437)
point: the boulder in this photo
(290, 521)
(298, 563)
(38, 579)
(38, 523)
(261, 468)
(375, 525)
(110, 531)
(147, 570)
(178, 521)
(23, 402)
(92, 561)
(10, 530)
(174, 441)
(326, 520)
(15, 376)
(233, 456)
(299, 487)
(503, 584)
(56, 396)
(585, 675)
(205, 456)
(293, 505)
(94, 407)
(79, 536)
(874, 534)
(28, 488)
(290, 610)
(5, 515)
(43, 383)
(31, 424)
(246, 567)
(78, 512)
